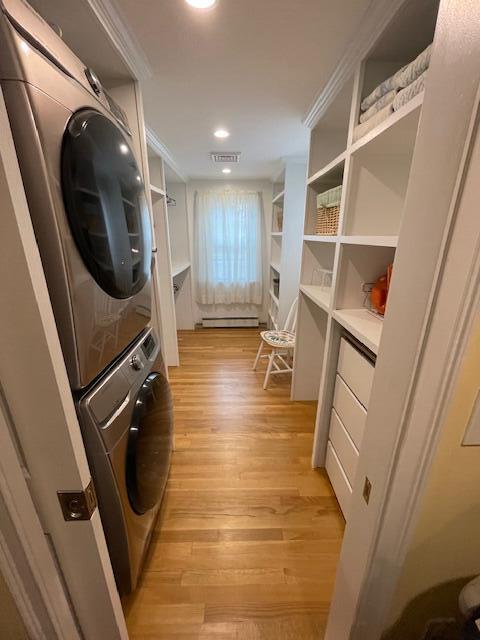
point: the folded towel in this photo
(415, 69)
(379, 104)
(361, 129)
(413, 89)
(330, 198)
(390, 84)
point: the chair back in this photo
(291, 321)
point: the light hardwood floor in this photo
(248, 539)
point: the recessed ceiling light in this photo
(202, 4)
(123, 148)
(221, 133)
(226, 170)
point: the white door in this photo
(39, 410)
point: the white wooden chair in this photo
(282, 344)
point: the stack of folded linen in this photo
(393, 93)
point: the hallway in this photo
(249, 535)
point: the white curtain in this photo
(228, 247)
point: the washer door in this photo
(149, 444)
(106, 204)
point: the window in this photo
(228, 247)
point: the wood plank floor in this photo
(249, 535)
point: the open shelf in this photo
(372, 241)
(378, 177)
(359, 265)
(318, 295)
(362, 324)
(278, 199)
(277, 234)
(329, 136)
(179, 268)
(318, 238)
(329, 177)
(396, 132)
(157, 192)
(324, 175)
(316, 256)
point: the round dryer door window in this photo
(149, 444)
(106, 205)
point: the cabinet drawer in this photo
(356, 371)
(346, 452)
(339, 480)
(350, 411)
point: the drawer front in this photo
(346, 452)
(350, 411)
(356, 370)
(339, 481)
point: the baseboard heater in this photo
(230, 322)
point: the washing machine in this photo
(84, 189)
(127, 425)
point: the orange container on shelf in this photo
(379, 294)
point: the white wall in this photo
(263, 186)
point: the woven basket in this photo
(326, 223)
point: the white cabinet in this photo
(345, 449)
(353, 385)
(350, 411)
(356, 371)
(339, 480)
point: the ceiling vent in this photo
(225, 156)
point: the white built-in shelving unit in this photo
(163, 268)
(285, 239)
(179, 249)
(374, 172)
(170, 223)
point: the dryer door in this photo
(149, 444)
(106, 204)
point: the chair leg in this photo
(259, 353)
(269, 368)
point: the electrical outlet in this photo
(367, 489)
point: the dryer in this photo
(84, 190)
(127, 424)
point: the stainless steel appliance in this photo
(84, 190)
(127, 424)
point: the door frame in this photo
(69, 561)
(437, 261)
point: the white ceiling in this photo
(251, 66)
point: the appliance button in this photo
(136, 363)
(93, 80)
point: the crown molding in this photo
(157, 145)
(122, 38)
(378, 15)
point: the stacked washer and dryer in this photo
(90, 216)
